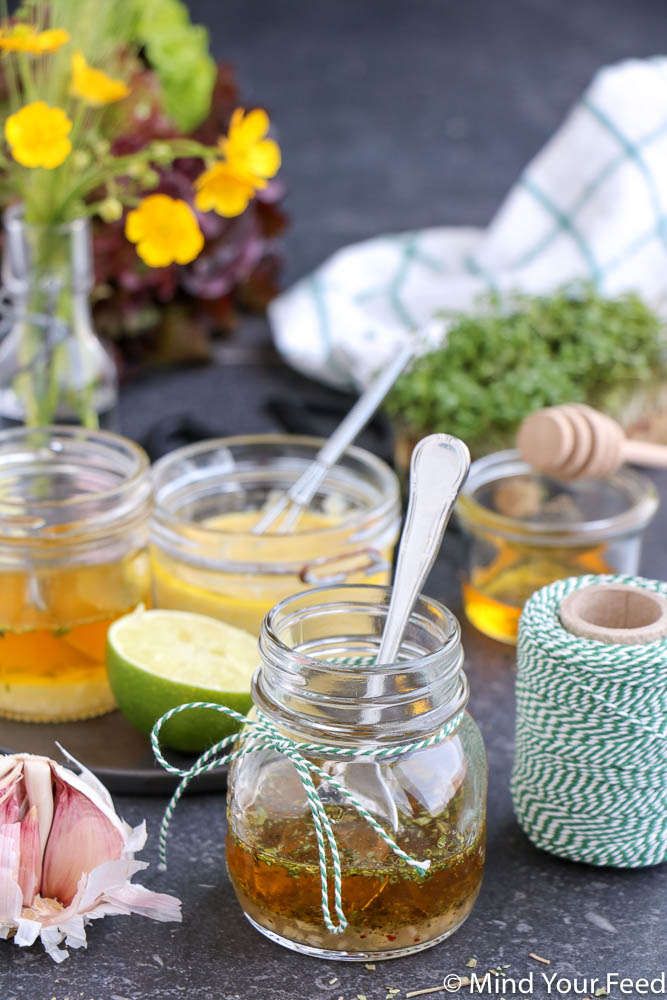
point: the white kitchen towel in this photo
(592, 205)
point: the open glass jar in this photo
(74, 508)
(315, 684)
(208, 496)
(527, 530)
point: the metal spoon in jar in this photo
(304, 489)
(438, 470)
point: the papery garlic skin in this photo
(66, 858)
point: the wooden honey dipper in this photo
(574, 441)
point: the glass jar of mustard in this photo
(427, 789)
(208, 496)
(526, 530)
(74, 509)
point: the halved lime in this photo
(160, 659)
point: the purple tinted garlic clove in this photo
(81, 838)
(66, 857)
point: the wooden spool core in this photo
(615, 613)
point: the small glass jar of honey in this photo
(396, 737)
(205, 557)
(74, 509)
(527, 530)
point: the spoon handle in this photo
(305, 488)
(438, 470)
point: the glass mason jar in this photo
(208, 496)
(526, 530)
(53, 367)
(430, 800)
(74, 509)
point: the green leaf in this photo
(179, 53)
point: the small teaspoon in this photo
(438, 470)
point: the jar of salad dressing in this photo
(205, 557)
(397, 738)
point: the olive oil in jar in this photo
(389, 905)
(413, 759)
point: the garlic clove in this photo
(9, 793)
(30, 863)
(62, 827)
(86, 779)
(81, 838)
(11, 897)
(38, 781)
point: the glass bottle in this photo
(53, 367)
(431, 800)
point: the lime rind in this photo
(158, 659)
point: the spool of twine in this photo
(590, 772)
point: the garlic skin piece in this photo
(66, 857)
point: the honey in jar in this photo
(74, 509)
(526, 530)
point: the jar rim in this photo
(343, 698)
(167, 519)
(110, 507)
(501, 465)
(270, 632)
(62, 431)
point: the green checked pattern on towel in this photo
(590, 768)
(592, 205)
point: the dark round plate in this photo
(111, 748)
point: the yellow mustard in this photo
(243, 598)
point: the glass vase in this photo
(53, 367)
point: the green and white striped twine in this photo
(260, 733)
(590, 769)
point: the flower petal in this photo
(222, 190)
(264, 158)
(249, 129)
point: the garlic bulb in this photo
(66, 858)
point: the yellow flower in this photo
(94, 86)
(222, 190)
(165, 230)
(249, 160)
(37, 135)
(247, 151)
(26, 38)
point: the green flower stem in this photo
(116, 166)
(27, 81)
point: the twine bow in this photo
(261, 734)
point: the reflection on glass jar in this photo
(430, 800)
(208, 496)
(74, 508)
(527, 530)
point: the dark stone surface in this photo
(392, 114)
